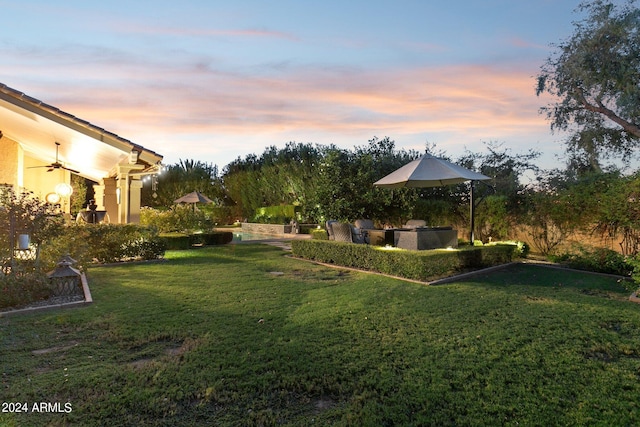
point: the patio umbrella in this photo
(193, 197)
(430, 171)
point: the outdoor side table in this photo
(381, 237)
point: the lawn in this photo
(242, 335)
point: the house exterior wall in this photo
(11, 163)
(42, 182)
(15, 170)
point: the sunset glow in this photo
(213, 81)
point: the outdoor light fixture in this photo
(52, 198)
(64, 189)
(133, 157)
(65, 280)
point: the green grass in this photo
(241, 335)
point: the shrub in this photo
(319, 234)
(178, 219)
(25, 213)
(275, 214)
(419, 265)
(598, 260)
(213, 238)
(176, 241)
(634, 266)
(19, 290)
(104, 243)
(520, 250)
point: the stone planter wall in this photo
(274, 229)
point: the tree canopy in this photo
(596, 76)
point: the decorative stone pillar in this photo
(98, 195)
(109, 199)
(135, 188)
(128, 194)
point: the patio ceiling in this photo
(87, 148)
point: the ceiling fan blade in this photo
(55, 165)
(69, 169)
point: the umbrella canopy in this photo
(194, 197)
(429, 171)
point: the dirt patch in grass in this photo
(322, 404)
(172, 349)
(323, 275)
(56, 349)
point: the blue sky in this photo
(214, 80)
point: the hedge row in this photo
(418, 265)
(275, 214)
(103, 243)
(186, 241)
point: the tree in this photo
(596, 76)
(284, 176)
(499, 201)
(345, 188)
(183, 178)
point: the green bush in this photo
(599, 260)
(213, 238)
(308, 228)
(319, 234)
(23, 212)
(19, 290)
(634, 266)
(177, 241)
(520, 250)
(103, 243)
(275, 214)
(180, 218)
(419, 265)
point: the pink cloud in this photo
(193, 110)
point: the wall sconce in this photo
(53, 198)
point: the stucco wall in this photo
(10, 156)
(39, 180)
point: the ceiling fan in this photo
(56, 164)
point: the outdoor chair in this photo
(361, 230)
(342, 232)
(329, 228)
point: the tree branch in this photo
(629, 127)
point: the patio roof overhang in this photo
(87, 148)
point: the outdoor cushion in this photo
(364, 224)
(415, 223)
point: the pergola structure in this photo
(34, 136)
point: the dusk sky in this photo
(212, 80)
